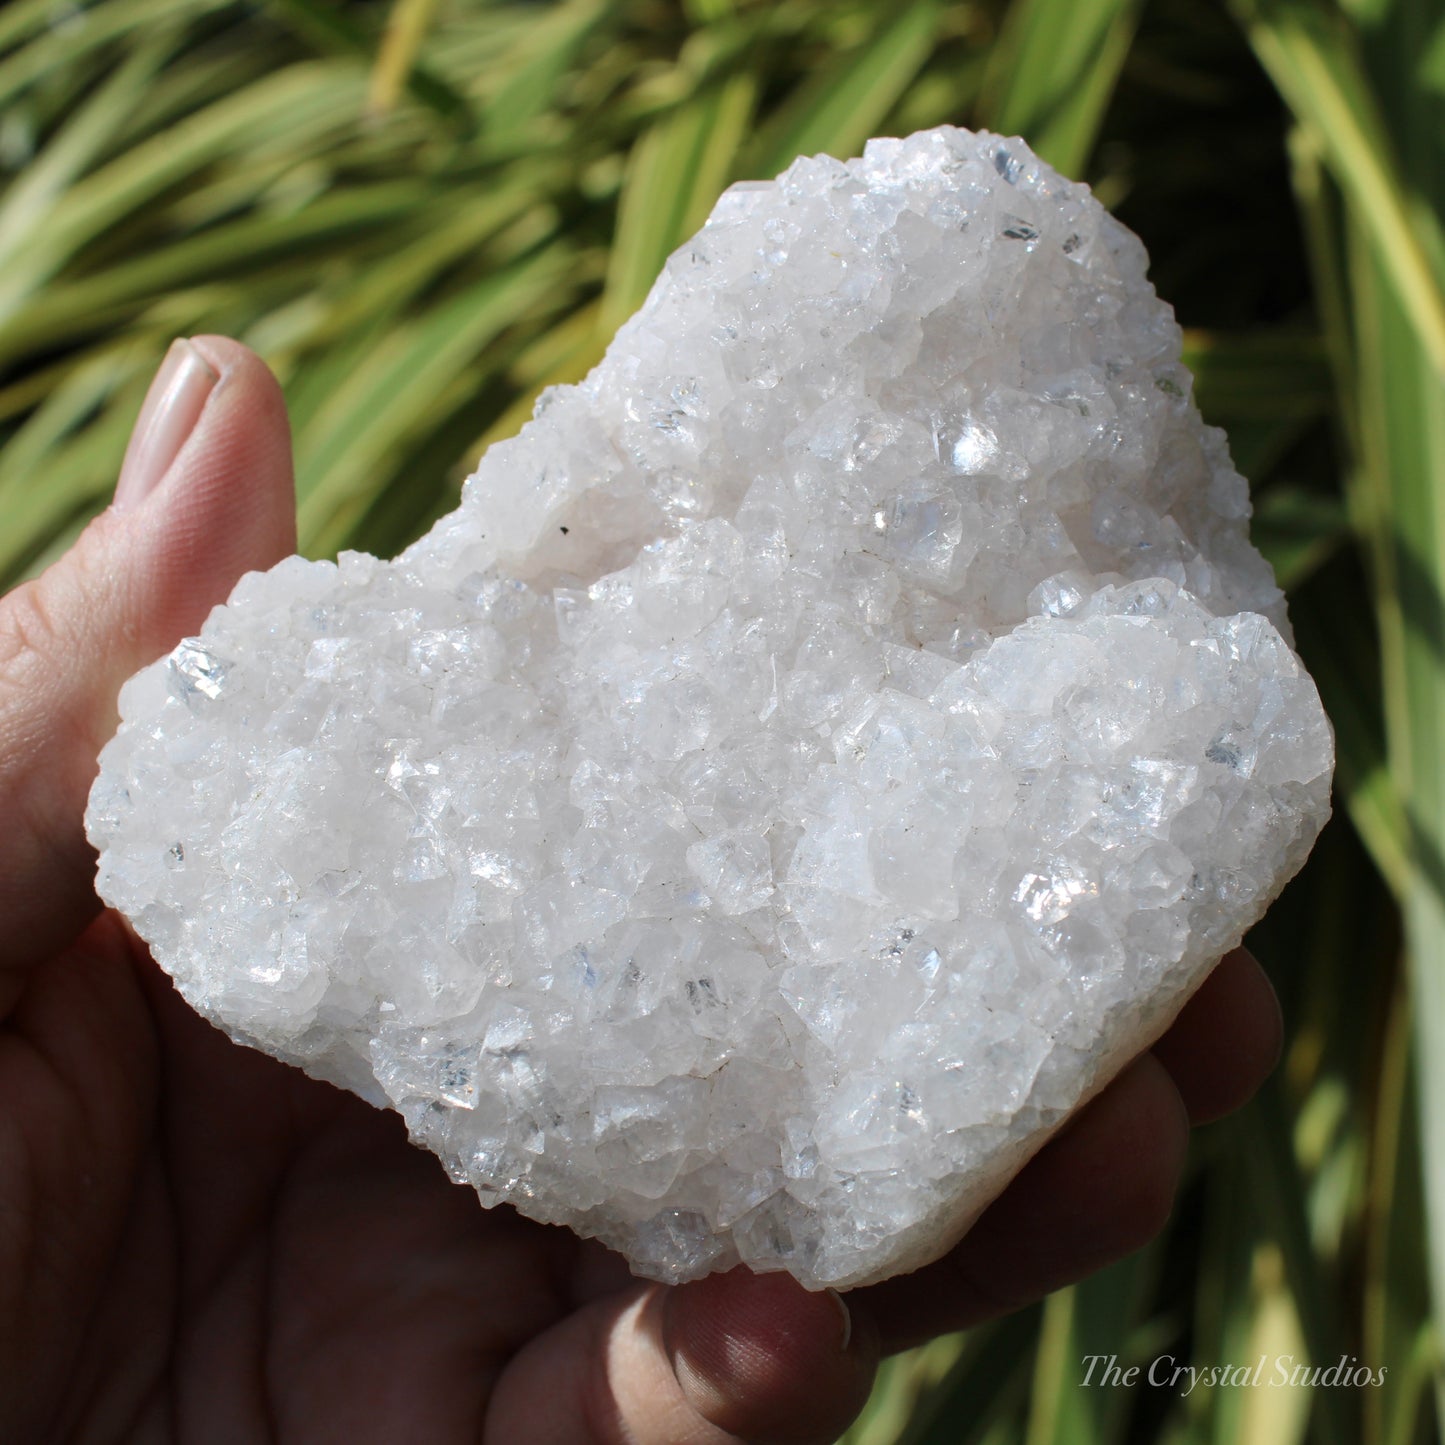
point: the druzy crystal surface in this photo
(822, 747)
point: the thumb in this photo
(205, 494)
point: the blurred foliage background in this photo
(423, 212)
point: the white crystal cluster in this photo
(822, 747)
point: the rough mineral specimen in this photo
(819, 751)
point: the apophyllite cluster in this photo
(821, 748)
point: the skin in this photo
(198, 1243)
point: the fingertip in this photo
(248, 427)
(227, 503)
(762, 1358)
(723, 1359)
(1227, 1039)
(1104, 1186)
(1147, 1120)
(240, 369)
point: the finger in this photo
(205, 495)
(1096, 1192)
(733, 1357)
(1226, 1040)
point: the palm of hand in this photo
(214, 1238)
(197, 1242)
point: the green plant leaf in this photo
(397, 387)
(674, 175)
(1053, 72)
(1309, 52)
(845, 103)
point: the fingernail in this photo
(167, 417)
(847, 1317)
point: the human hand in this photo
(199, 1243)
